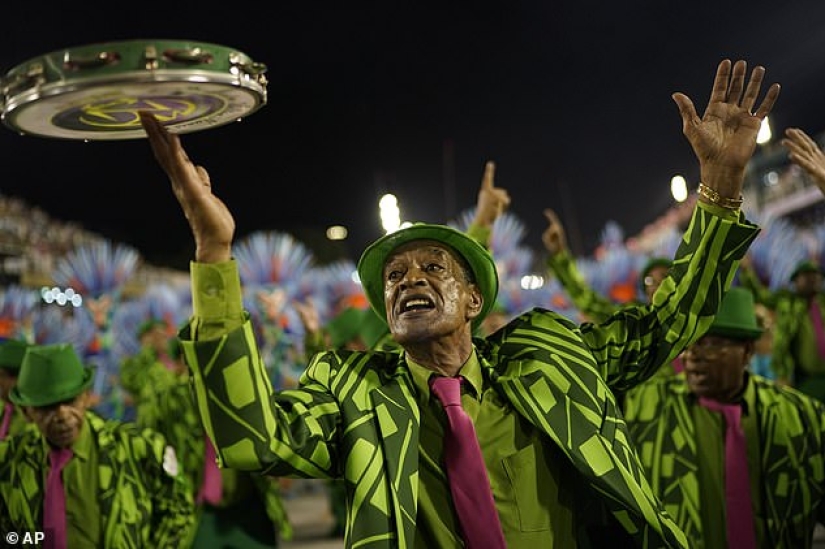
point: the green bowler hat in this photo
(50, 374)
(371, 265)
(11, 354)
(736, 318)
(805, 267)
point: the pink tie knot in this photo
(448, 390)
(731, 411)
(59, 457)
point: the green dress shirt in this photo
(534, 511)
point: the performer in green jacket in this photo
(561, 467)
(121, 486)
(682, 441)
(12, 419)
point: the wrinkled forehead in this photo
(423, 248)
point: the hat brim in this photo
(371, 265)
(47, 400)
(804, 269)
(736, 332)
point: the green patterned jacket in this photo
(355, 414)
(791, 430)
(141, 505)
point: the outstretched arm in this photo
(250, 430)
(717, 237)
(593, 305)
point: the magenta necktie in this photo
(469, 484)
(54, 503)
(819, 332)
(211, 488)
(8, 410)
(741, 533)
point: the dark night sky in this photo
(572, 100)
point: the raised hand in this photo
(492, 200)
(553, 237)
(211, 221)
(308, 313)
(724, 138)
(805, 153)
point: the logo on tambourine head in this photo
(121, 113)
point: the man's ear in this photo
(750, 349)
(476, 302)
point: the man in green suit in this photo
(121, 485)
(682, 441)
(12, 419)
(561, 467)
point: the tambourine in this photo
(94, 92)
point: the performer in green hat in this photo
(558, 466)
(679, 427)
(120, 486)
(12, 419)
(798, 353)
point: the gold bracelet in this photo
(715, 198)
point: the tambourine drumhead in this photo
(94, 92)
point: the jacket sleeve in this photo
(288, 433)
(633, 343)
